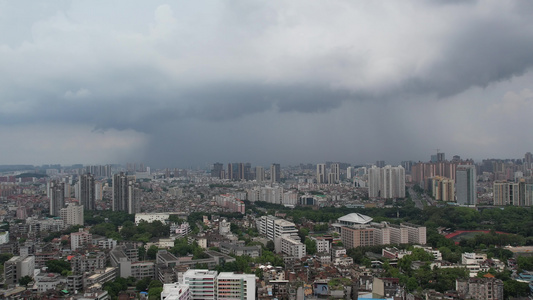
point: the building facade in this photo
(124, 193)
(465, 184)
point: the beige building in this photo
(72, 214)
(357, 236)
(443, 189)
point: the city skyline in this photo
(190, 84)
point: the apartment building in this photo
(232, 286)
(202, 284)
(175, 291)
(17, 267)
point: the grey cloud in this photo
(225, 65)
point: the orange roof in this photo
(70, 257)
(488, 275)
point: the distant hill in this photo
(8, 168)
(26, 175)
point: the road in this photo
(416, 198)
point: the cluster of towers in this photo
(244, 171)
(124, 193)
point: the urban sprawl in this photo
(442, 229)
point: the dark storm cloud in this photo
(482, 53)
(474, 49)
(213, 64)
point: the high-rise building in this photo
(465, 184)
(349, 172)
(512, 193)
(87, 194)
(407, 165)
(124, 193)
(373, 182)
(259, 174)
(275, 173)
(56, 192)
(528, 159)
(443, 189)
(387, 182)
(72, 214)
(230, 172)
(335, 170)
(217, 170)
(248, 175)
(321, 173)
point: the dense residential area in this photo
(443, 229)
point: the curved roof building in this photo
(354, 219)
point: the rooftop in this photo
(356, 218)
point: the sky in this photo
(190, 83)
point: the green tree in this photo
(57, 266)
(25, 280)
(310, 246)
(152, 252)
(155, 293)
(142, 253)
(525, 262)
(412, 284)
(5, 257)
(270, 246)
(513, 288)
(142, 285)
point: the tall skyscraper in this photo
(275, 173)
(217, 170)
(349, 172)
(387, 182)
(56, 192)
(87, 195)
(336, 171)
(124, 193)
(465, 184)
(259, 173)
(374, 182)
(321, 173)
(248, 171)
(230, 172)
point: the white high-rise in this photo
(349, 172)
(387, 182)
